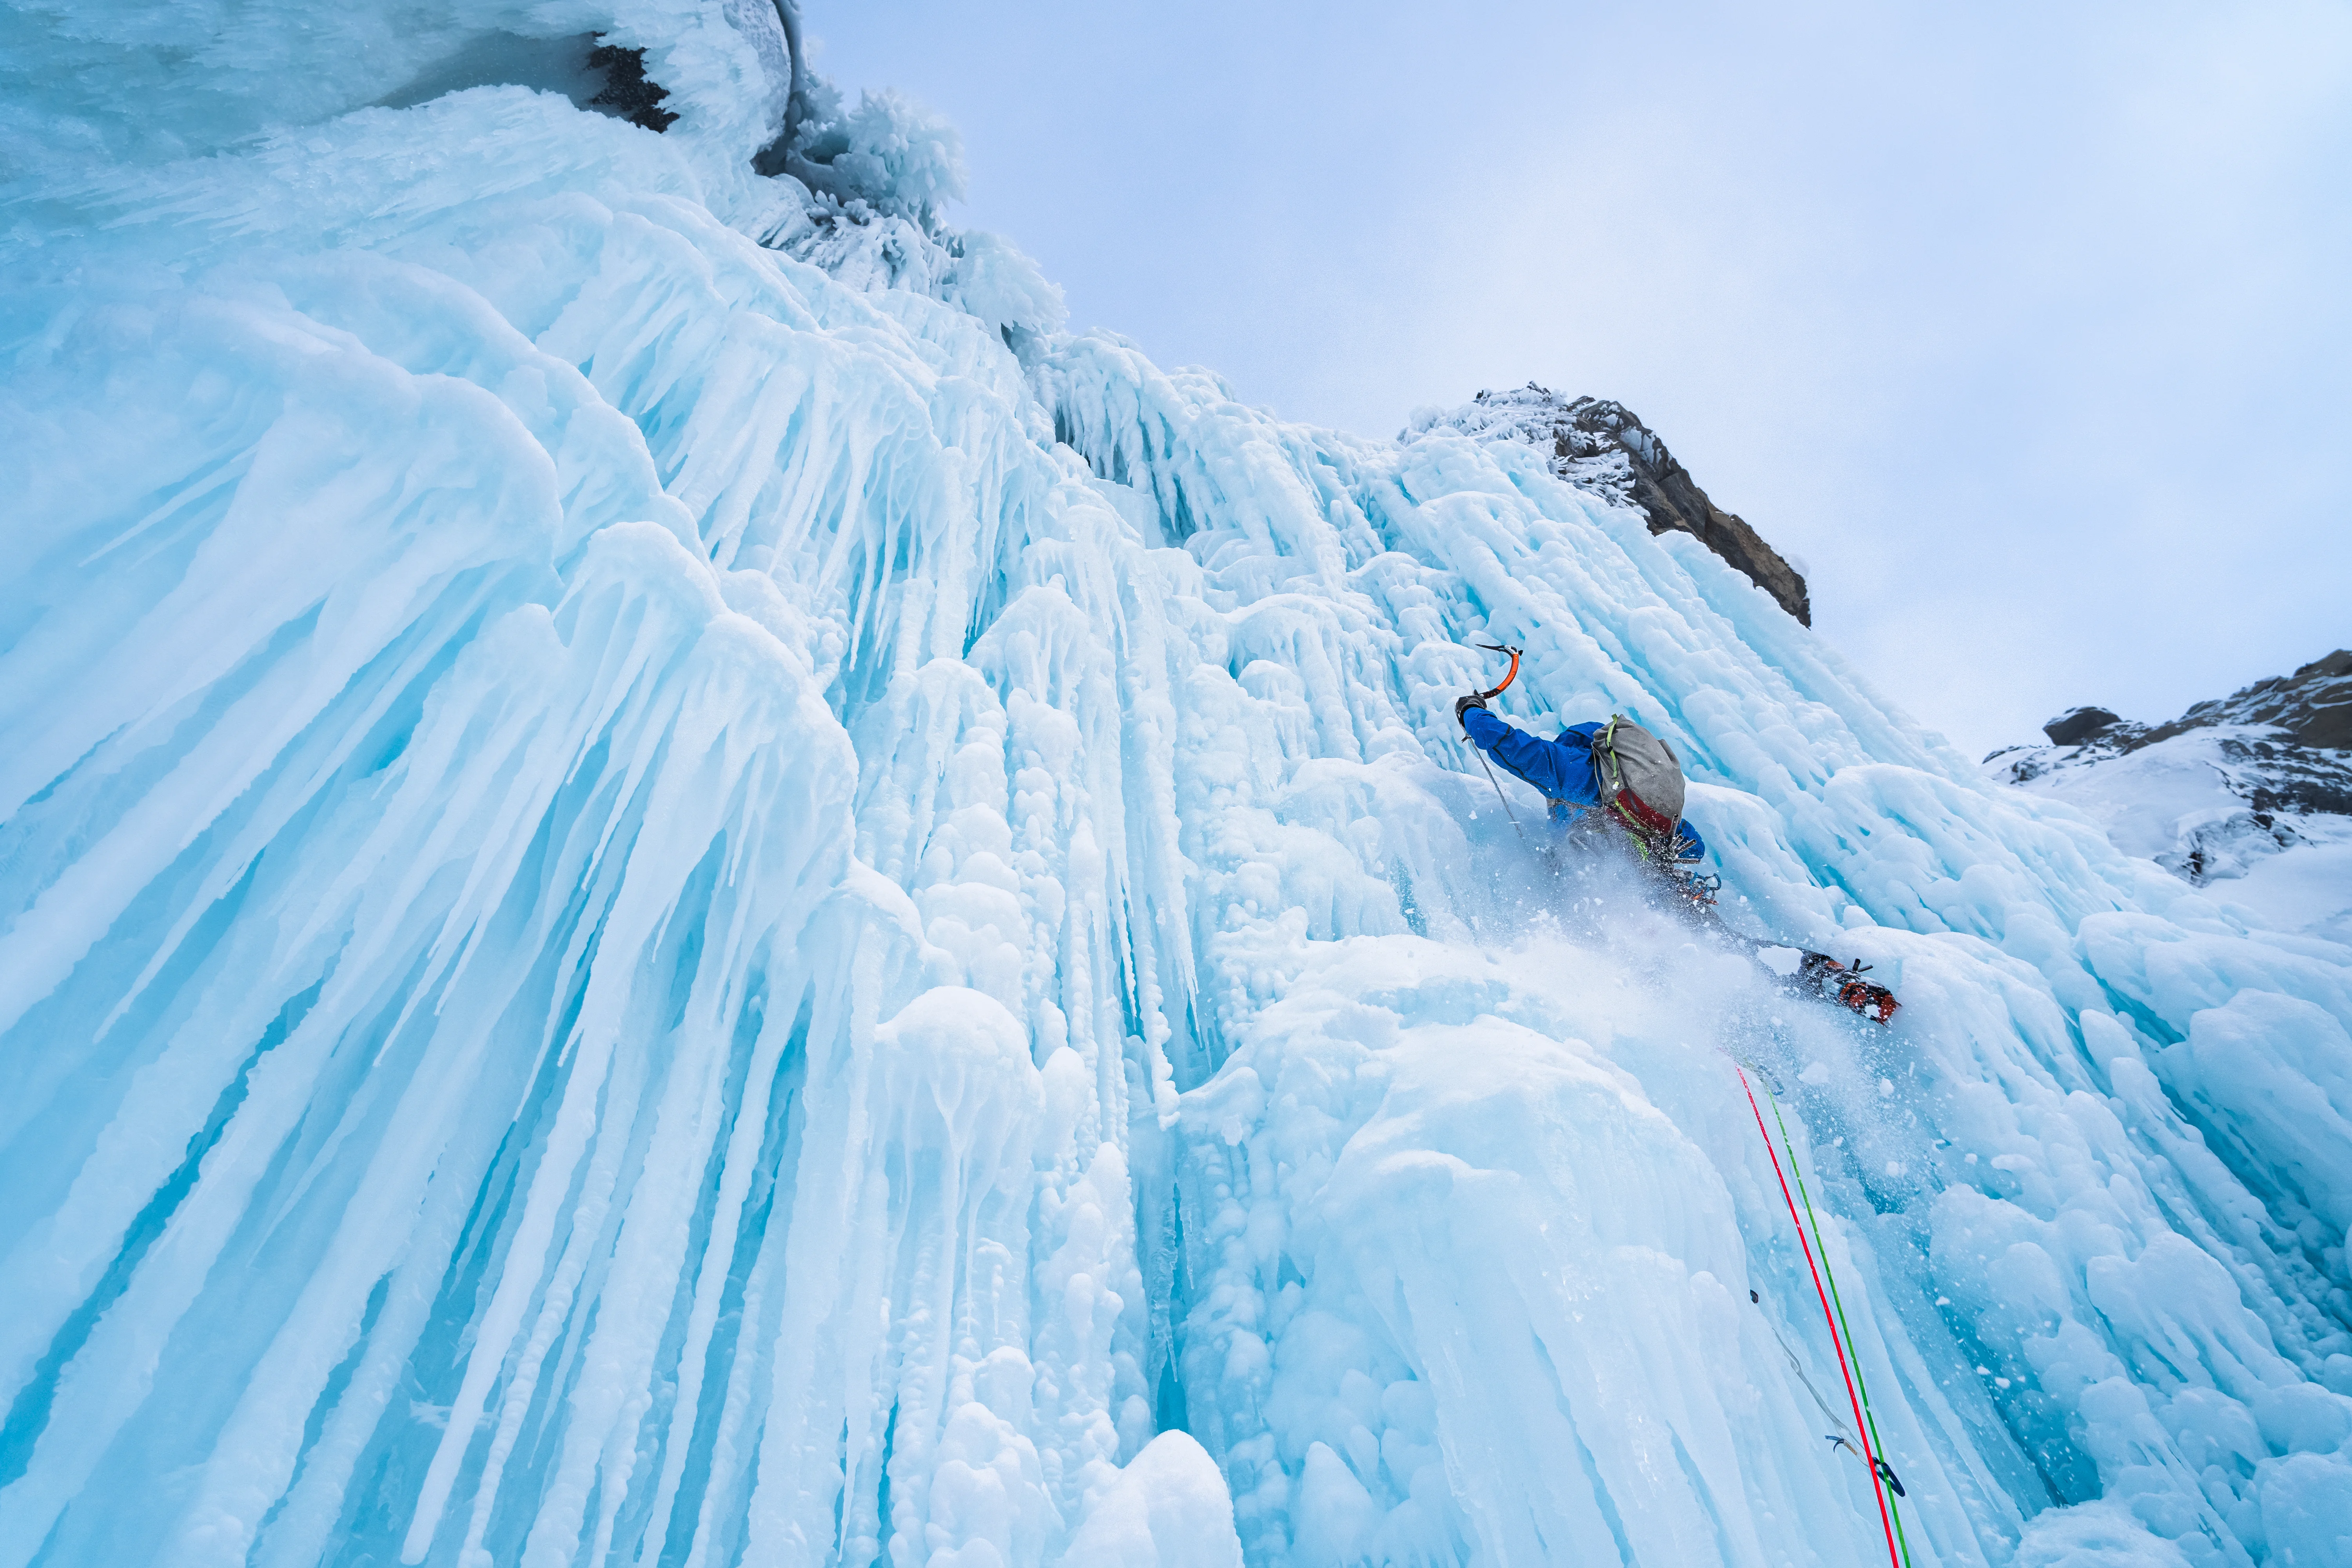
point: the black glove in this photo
(1464, 704)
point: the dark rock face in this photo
(2314, 706)
(627, 94)
(584, 69)
(1599, 445)
(2310, 710)
(2077, 725)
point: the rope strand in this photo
(1869, 1459)
(1869, 1415)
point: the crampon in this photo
(1817, 974)
(1845, 985)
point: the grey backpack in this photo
(1639, 778)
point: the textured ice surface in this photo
(664, 906)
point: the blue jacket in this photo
(1561, 769)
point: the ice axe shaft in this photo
(1498, 791)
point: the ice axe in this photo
(1497, 691)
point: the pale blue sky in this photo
(2025, 327)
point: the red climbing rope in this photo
(1861, 1427)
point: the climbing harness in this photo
(1497, 691)
(1865, 1422)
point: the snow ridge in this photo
(2250, 795)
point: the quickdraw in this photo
(1702, 893)
(1885, 1471)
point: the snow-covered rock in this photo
(1600, 447)
(2249, 795)
(668, 900)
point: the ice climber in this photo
(1613, 781)
(1610, 771)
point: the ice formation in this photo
(681, 888)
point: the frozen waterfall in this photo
(678, 887)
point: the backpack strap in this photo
(1605, 771)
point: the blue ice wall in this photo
(676, 887)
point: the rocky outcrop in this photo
(2313, 707)
(2077, 725)
(2214, 793)
(2285, 743)
(627, 93)
(1599, 445)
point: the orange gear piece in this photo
(1869, 999)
